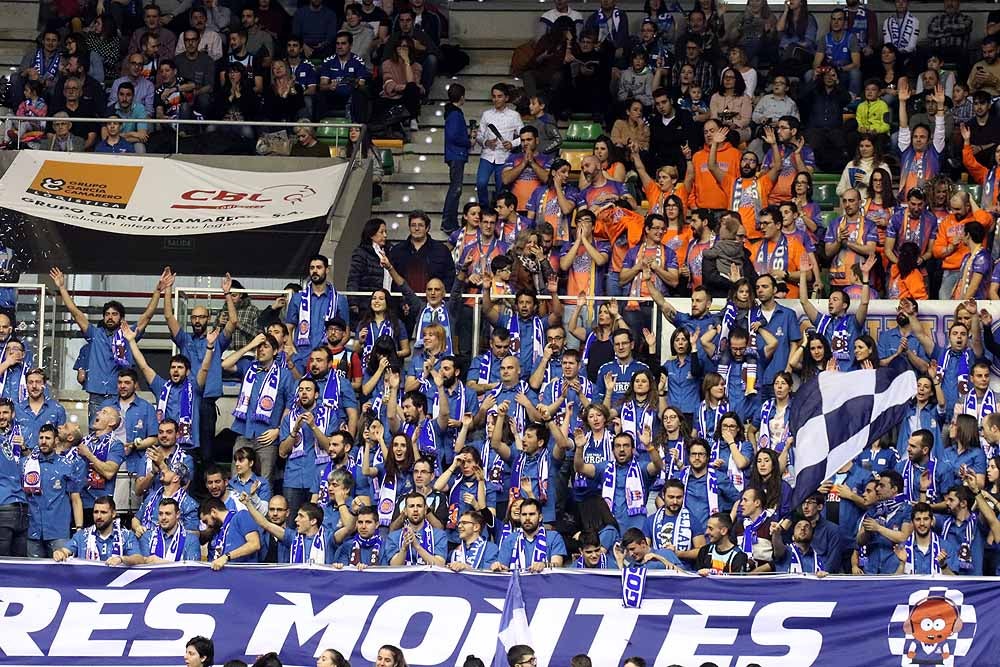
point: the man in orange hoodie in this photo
(988, 178)
(949, 245)
(713, 184)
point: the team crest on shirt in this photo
(33, 478)
(934, 627)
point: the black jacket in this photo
(665, 141)
(365, 275)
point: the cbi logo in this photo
(290, 193)
(934, 627)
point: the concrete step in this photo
(477, 87)
(21, 15)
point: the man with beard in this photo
(716, 167)
(705, 487)
(484, 371)
(310, 309)
(670, 527)
(334, 391)
(799, 557)
(13, 363)
(908, 339)
(109, 350)
(265, 391)
(14, 518)
(37, 409)
(751, 191)
(527, 328)
(600, 189)
(169, 541)
(138, 428)
(305, 443)
(549, 366)
(104, 541)
(178, 394)
(569, 390)
(923, 552)
(413, 420)
(417, 542)
(777, 254)
(365, 548)
(53, 490)
(217, 486)
(532, 547)
(344, 361)
(158, 459)
(233, 534)
(194, 346)
(985, 74)
(460, 399)
(102, 454)
(626, 479)
(174, 482)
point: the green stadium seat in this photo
(820, 177)
(581, 134)
(335, 132)
(827, 218)
(975, 191)
(825, 194)
(388, 162)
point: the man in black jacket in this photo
(420, 258)
(670, 128)
(822, 107)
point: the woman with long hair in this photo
(104, 42)
(964, 448)
(906, 280)
(672, 442)
(684, 372)
(356, 149)
(382, 360)
(755, 32)
(390, 470)
(666, 184)
(594, 436)
(991, 493)
(236, 101)
(284, 99)
(596, 349)
(865, 353)
(642, 405)
(75, 44)
(888, 72)
(880, 204)
(595, 516)
(677, 235)
(765, 476)
(554, 202)
(632, 129)
(366, 272)
(776, 425)
(380, 320)
(811, 358)
(857, 173)
(809, 218)
(714, 404)
(731, 451)
(798, 29)
(531, 269)
(390, 656)
(925, 411)
(401, 80)
(731, 105)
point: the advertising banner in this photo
(90, 615)
(157, 196)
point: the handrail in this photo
(178, 121)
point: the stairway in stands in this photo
(17, 31)
(420, 180)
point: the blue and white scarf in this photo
(21, 368)
(151, 508)
(633, 586)
(424, 435)
(11, 450)
(163, 546)
(320, 415)
(218, 545)
(836, 329)
(518, 472)
(185, 418)
(964, 553)
(711, 488)
(537, 337)
(99, 445)
(91, 550)
(119, 349)
(706, 429)
(518, 555)
(962, 376)
(472, 554)
(486, 367)
(50, 72)
(732, 469)
(331, 391)
(426, 536)
(912, 490)
(374, 543)
(305, 321)
(431, 315)
(979, 409)
(796, 565)
(911, 546)
(31, 475)
(317, 554)
(268, 394)
(384, 328)
(386, 499)
(750, 529)
(680, 530)
(636, 417)
(635, 493)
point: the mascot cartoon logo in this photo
(933, 628)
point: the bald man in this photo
(102, 454)
(193, 345)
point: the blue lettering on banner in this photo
(90, 615)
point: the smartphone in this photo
(473, 124)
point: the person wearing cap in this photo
(169, 540)
(342, 359)
(175, 479)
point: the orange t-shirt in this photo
(656, 197)
(623, 228)
(912, 286)
(678, 242)
(951, 231)
(753, 193)
(706, 191)
(784, 256)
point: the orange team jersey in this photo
(861, 232)
(655, 197)
(913, 286)
(694, 259)
(749, 197)
(480, 255)
(678, 242)
(592, 193)
(785, 254)
(706, 192)
(951, 231)
(583, 273)
(623, 229)
(988, 178)
(526, 182)
(879, 215)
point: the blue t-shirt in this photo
(138, 421)
(96, 485)
(51, 412)
(173, 409)
(619, 507)
(194, 348)
(440, 542)
(120, 542)
(49, 512)
(192, 547)
(241, 525)
(102, 369)
(553, 543)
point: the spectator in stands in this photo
(104, 43)
(863, 24)
(401, 81)
(53, 500)
(985, 74)
(142, 87)
(104, 541)
(364, 36)
(73, 106)
(40, 64)
(344, 81)
(307, 322)
(670, 130)
(457, 142)
(983, 126)
(316, 25)
(867, 160)
(303, 72)
(526, 170)
(889, 74)
(697, 28)
(920, 158)
(721, 555)
(590, 71)
(197, 67)
(218, 17)
(92, 93)
(637, 82)
(235, 101)
(306, 144)
(610, 24)
(771, 107)
(427, 52)
(284, 99)
(873, 114)
(798, 30)
(498, 146)
(239, 53)
(420, 258)
(166, 40)
(171, 94)
(935, 65)
(704, 70)
(113, 141)
(902, 29)
(839, 51)
(796, 157)
(61, 138)
(949, 33)
(755, 32)
(259, 41)
(731, 105)
(238, 543)
(716, 167)
(561, 9)
(149, 45)
(631, 132)
(823, 110)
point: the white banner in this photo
(158, 196)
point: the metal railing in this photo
(18, 120)
(30, 317)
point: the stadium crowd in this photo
(371, 432)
